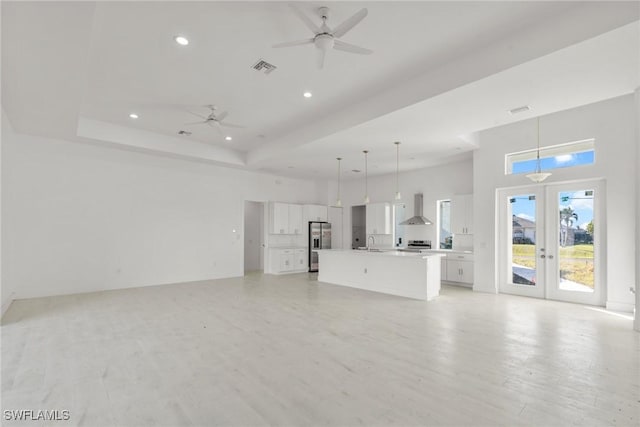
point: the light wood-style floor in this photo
(287, 350)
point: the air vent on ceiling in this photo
(520, 109)
(263, 66)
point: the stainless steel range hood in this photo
(417, 219)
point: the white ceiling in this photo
(439, 72)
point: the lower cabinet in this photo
(459, 268)
(288, 260)
(300, 259)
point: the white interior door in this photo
(550, 241)
(521, 241)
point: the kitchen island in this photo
(406, 274)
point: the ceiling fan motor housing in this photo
(324, 41)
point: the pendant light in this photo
(366, 178)
(538, 175)
(398, 195)
(338, 200)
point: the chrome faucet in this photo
(373, 242)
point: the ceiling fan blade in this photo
(348, 47)
(305, 19)
(196, 114)
(320, 58)
(217, 126)
(295, 43)
(221, 116)
(230, 125)
(347, 25)
(197, 123)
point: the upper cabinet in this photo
(295, 219)
(378, 218)
(285, 218)
(278, 218)
(315, 213)
(462, 214)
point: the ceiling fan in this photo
(324, 37)
(214, 119)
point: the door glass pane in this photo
(576, 234)
(523, 239)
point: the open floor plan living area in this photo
(376, 213)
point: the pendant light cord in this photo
(366, 177)
(538, 168)
(397, 167)
(339, 171)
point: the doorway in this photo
(550, 241)
(253, 236)
(358, 226)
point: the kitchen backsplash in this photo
(463, 242)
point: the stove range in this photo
(418, 245)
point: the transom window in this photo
(571, 154)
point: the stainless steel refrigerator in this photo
(319, 238)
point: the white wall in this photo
(83, 218)
(5, 299)
(612, 124)
(637, 260)
(7, 292)
(434, 183)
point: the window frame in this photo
(551, 151)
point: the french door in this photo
(550, 241)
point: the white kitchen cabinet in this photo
(462, 214)
(443, 268)
(288, 260)
(278, 218)
(285, 218)
(300, 259)
(378, 217)
(285, 260)
(459, 268)
(295, 219)
(315, 213)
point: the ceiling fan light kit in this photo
(324, 38)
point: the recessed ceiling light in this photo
(181, 40)
(307, 94)
(133, 116)
(227, 138)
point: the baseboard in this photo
(6, 305)
(491, 290)
(459, 284)
(624, 307)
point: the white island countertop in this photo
(386, 253)
(408, 274)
